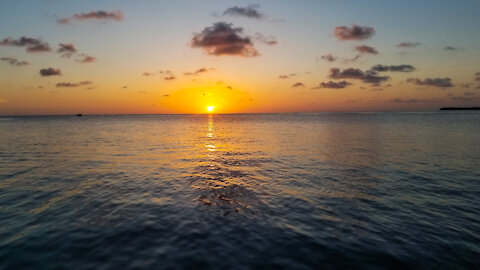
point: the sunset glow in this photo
(103, 57)
(210, 108)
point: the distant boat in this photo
(79, 114)
(460, 109)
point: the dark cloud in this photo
(369, 76)
(83, 58)
(408, 44)
(14, 62)
(366, 49)
(477, 76)
(50, 72)
(333, 85)
(198, 71)
(393, 68)
(250, 11)
(451, 48)
(67, 84)
(32, 45)
(355, 32)
(328, 57)
(435, 82)
(298, 84)
(115, 15)
(224, 39)
(66, 49)
(170, 78)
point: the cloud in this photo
(369, 76)
(328, 57)
(451, 48)
(66, 49)
(14, 62)
(83, 58)
(408, 44)
(250, 11)
(147, 74)
(32, 45)
(270, 40)
(366, 49)
(115, 15)
(286, 76)
(198, 71)
(170, 78)
(50, 72)
(435, 82)
(393, 68)
(67, 84)
(477, 76)
(298, 84)
(224, 39)
(412, 100)
(333, 85)
(355, 32)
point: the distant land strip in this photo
(460, 109)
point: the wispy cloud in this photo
(286, 76)
(84, 58)
(72, 85)
(411, 100)
(14, 62)
(394, 68)
(355, 32)
(32, 45)
(368, 76)
(452, 49)
(366, 49)
(298, 84)
(328, 57)
(102, 15)
(250, 11)
(50, 72)
(224, 39)
(270, 40)
(198, 71)
(408, 44)
(66, 49)
(435, 82)
(333, 85)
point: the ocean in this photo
(246, 191)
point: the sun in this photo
(210, 108)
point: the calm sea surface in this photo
(293, 191)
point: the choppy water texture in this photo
(295, 191)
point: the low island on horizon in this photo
(460, 109)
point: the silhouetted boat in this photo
(79, 114)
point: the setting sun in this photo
(210, 108)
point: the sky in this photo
(163, 57)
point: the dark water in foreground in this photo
(297, 191)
